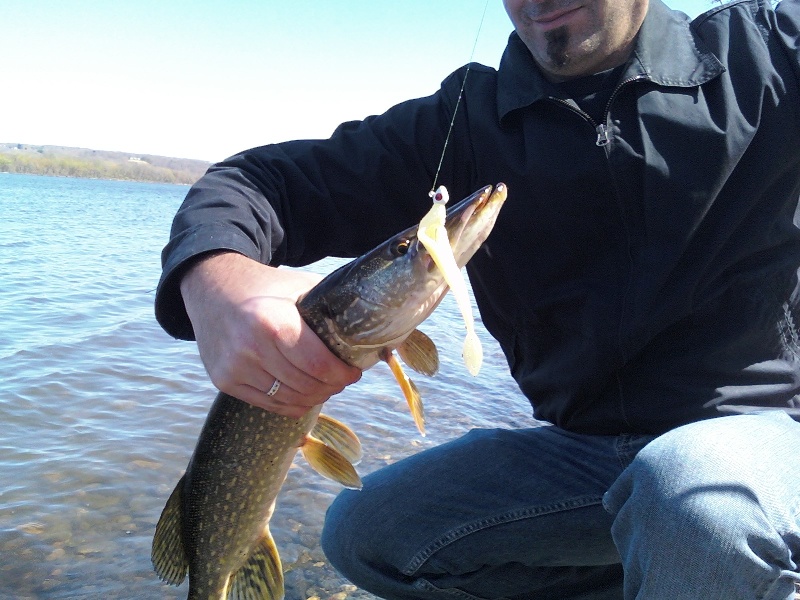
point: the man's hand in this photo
(249, 333)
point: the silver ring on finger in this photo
(274, 389)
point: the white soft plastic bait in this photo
(433, 235)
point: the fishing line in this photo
(458, 101)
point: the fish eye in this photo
(401, 247)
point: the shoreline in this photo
(61, 161)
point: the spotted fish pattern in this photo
(215, 524)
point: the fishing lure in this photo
(433, 235)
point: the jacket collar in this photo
(687, 63)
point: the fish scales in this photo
(215, 524)
(243, 456)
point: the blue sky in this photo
(203, 79)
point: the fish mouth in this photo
(381, 297)
(412, 298)
(470, 221)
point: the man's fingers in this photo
(250, 333)
(309, 354)
(293, 405)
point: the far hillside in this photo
(62, 161)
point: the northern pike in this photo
(215, 525)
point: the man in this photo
(641, 280)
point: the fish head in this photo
(379, 298)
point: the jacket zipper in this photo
(603, 139)
(601, 129)
(602, 135)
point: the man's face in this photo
(574, 38)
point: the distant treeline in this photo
(60, 162)
(74, 167)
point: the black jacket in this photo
(634, 285)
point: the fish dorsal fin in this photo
(419, 352)
(330, 463)
(410, 391)
(261, 576)
(168, 555)
(339, 436)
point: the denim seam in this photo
(623, 450)
(516, 515)
(427, 586)
(624, 445)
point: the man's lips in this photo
(556, 18)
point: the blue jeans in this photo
(707, 511)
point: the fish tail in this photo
(262, 575)
(168, 554)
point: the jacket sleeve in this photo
(296, 202)
(787, 15)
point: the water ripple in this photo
(101, 409)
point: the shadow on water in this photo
(101, 409)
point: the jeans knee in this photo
(338, 540)
(360, 539)
(687, 482)
(708, 502)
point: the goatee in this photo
(557, 42)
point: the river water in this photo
(100, 409)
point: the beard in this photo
(557, 45)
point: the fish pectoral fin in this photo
(330, 463)
(168, 554)
(262, 575)
(419, 352)
(339, 436)
(410, 390)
